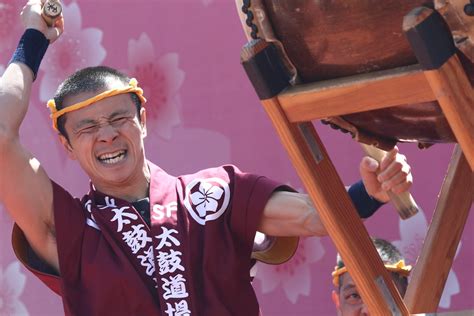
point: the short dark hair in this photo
(90, 79)
(387, 252)
(389, 255)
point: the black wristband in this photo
(365, 205)
(31, 49)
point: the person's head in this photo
(90, 79)
(346, 296)
(105, 136)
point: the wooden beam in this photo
(441, 242)
(456, 98)
(309, 157)
(337, 212)
(444, 73)
(405, 85)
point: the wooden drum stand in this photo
(438, 77)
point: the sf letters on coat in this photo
(161, 211)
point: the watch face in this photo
(52, 8)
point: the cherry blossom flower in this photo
(9, 16)
(293, 276)
(207, 198)
(161, 79)
(75, 49)
(413, 232)
(12, 283)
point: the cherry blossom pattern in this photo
(12, 283)
(294, 276)
(207, 199)
(161, 79)
(75, 49)
(413, 232)
(9, 15)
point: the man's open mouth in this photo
(114, 157)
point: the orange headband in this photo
(398, 267)
(133, 87)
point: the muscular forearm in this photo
(365, 206)
(293, 214)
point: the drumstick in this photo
(51, 11)
(403, 202)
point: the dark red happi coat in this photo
(194, 260)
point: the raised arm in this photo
(293, 214)
(25, 189)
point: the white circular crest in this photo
(207, 199)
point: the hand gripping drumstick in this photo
(403, 202)
(51, 11)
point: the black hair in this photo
(90, 79)
(389, 255)
(387, 252)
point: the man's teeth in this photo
(112, 157)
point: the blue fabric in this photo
(365, 204)
(31, 49)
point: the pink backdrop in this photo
(204, 112)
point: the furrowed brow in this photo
(118, 113)
(85, 122)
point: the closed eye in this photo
(88, 129)
(117, 121)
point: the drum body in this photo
(329, 39)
